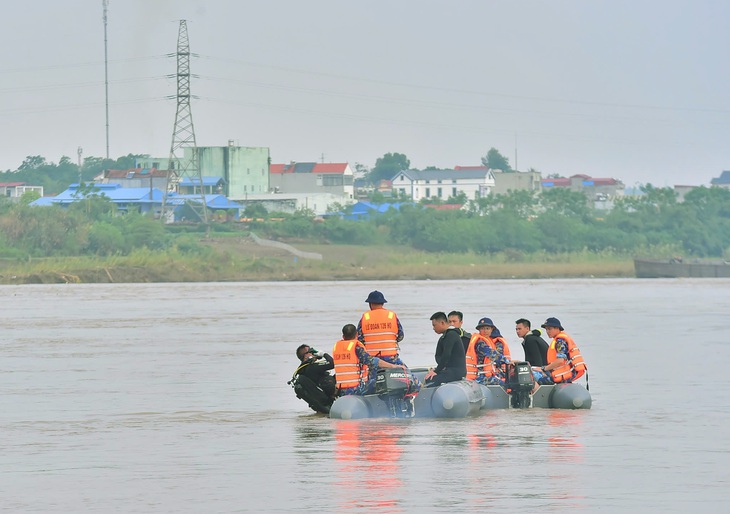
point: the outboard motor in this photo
(519, 383)
(393, 386)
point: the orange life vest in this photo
(574, 362)
(505, 346)
(380, 331)
(349, 371)
(473, 368)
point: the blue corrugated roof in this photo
(113, 192)
(207, 181)
(211, 201)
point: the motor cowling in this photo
(519, 383)
(395, 382)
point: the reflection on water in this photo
(368, 466)
(565, 427)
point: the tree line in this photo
(551, 221)
(520, 222)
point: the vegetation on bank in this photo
(522, 235)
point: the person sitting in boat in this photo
(355, 368)
(487, 329)
(450, 355)
(379, 329)
(534, 346)
(565, 363)
(456, 319)
(312, 380)
(483, 362)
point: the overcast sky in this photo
(630, 89)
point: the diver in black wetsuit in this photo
(312, 380)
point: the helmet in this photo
(376, 297)
(485, 322)
(552, 322)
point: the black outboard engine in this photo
(519, 383)
(392, 385)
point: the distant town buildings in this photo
(244, 169)
(474, 182)
(335, 178)
(136, 177)
(722, 181)
(593, 188)
(17, 189)
(233, 177)
(144, 200)
(306, 185)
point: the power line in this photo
(26, 69)
(458, 91)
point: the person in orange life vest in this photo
(456, 319)
(483, 361)
(355, 368)
(450, 356)
(380, 330)
(488, 330)
(565, 363)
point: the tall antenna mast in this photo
(105, 4)
(184, 161)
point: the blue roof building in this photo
(366, 210)
(143, 200)
(722, 181)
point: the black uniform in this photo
(535, 349)
(465, 338)
(313, 384)
(450, 358)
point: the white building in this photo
(16, 189)
(475, 182)
(291, 202)
(335, 178)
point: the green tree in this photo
(105, 239)
(142, 231)
(94, 203)
(459, 199)
(29, 197)
(565, 202)
(496, 161)
(387, 166)
(32, 162)
(255, 210)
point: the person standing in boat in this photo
(456, 319)
(355, 368)
(483, 362)
(564, 361)
(380, 330)
(533, 344)
(450, 356)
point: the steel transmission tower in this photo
(104, 5)
(184, 162)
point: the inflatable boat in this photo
(458, 399)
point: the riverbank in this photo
(241, 259)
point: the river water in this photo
(173, 398)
